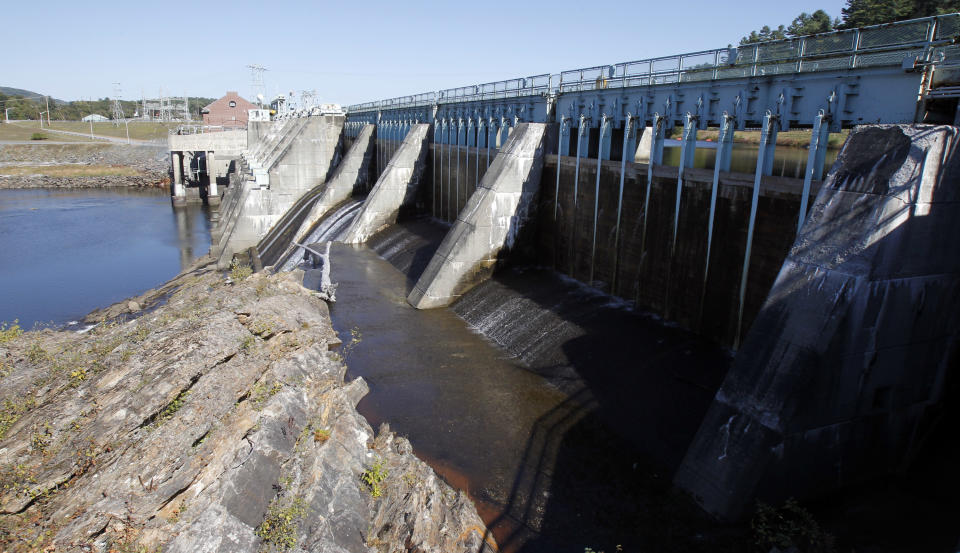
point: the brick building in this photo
(229, 112)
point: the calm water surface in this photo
(67, 252)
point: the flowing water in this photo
(67, 252)
(557, 409)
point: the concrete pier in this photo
(846, 362)
(302, 157)
(353, 172)
(489, 223)
(395, 189)
(179, 194)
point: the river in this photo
(68, 252)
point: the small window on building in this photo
(233, 104)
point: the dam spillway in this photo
(710, 252)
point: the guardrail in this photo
(924, 41)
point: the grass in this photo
(139, 130)
(279, 528)
(23, 131)
(68, 170)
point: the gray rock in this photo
(218, 421)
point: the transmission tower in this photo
(256, 82)
(117, 108)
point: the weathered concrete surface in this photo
(303, 159)
(489, 223)
(351, 174)
(848, 356)
(217, 422)
(231, 142)
(396, 188)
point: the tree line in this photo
(21, 107)
(857, 13)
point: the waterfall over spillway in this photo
(330, 228)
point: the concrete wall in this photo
(840, 375)
(641, 263)
(352, 174)
(395, 189)
(489, 223)
(307, 157)
(232, 142)
(456, 173)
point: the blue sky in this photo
(350, 51)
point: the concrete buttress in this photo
(489, 223)
(846, 362)
(395, 188)
(302, 159)
(352, 172)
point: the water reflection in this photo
(67, 252)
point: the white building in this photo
(96, 118)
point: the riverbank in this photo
(208, 414)
(83, 165)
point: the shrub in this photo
(789, 526)
(38, 136)
(374, 476)
(9, 331)
(239, 271)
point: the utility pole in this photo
(6, 114)
(48, 110)
(256, 81)
(91, 127)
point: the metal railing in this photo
(928, 40)
(922, 41)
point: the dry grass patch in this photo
(69, 170)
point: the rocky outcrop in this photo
(215, 419)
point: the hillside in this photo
(11, 91)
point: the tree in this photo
(765, 34)
(859, 13)
(804, 24)
(812, 23)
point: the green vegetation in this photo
(25, 104)
(21, 131)
(857, 13)
(38, 136)
(262, 392)
(787, 527)
(321, 435)
(279, 528)
(239, 271)
(139, 130)
(170, 410)
(247, 343)
(9, 331)
(374, 477)
(12, 409)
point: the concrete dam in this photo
(836, 294)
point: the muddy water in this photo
(543, 465)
